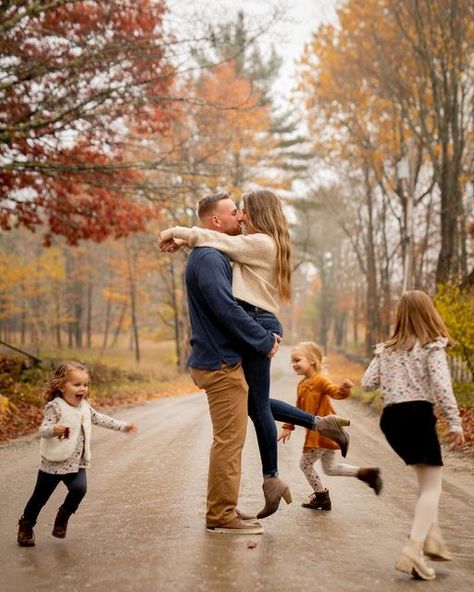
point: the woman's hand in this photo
(168, 244)
(166, 235)
(131, 428)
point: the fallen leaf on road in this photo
(251, 545)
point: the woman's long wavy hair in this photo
(265, 214)
(417, 319)
(59, 377)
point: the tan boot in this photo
(411, 561)
(330, 426)
(435, 545)
(274, 489)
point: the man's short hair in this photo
(208, 203)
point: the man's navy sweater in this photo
(220, 328)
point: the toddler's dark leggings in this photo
(46, 483)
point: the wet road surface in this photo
(141, 525)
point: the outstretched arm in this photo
(248, 249)
(371, 379)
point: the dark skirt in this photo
(410, 429)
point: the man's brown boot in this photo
(60, 524)
(320, 500)
(26, 536)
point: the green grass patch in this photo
(371, 398)
(464, 392)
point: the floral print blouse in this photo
(421, 374)
(52, 416)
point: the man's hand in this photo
(276, 346)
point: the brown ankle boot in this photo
(320, 500)
(26, 536)
(330, 426)
(274, 489)
(372, 478)
(60, 524)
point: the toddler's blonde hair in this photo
(314, 354)
(59, 377)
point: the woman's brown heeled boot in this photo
(274, 489)
(330, 426)
(60, 524)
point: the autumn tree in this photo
(73, 76)
(395, 73)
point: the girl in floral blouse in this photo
(65, 447)
(411, 371)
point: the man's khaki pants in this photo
(227, 392)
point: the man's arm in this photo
(214, 279)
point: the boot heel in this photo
(287, 496)
(342, 421)
(411, 561)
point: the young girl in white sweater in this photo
(65, 447)
(412, 373)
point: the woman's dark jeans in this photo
(46, 483)
(287, 413)
(257, 374)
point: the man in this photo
(220, 329)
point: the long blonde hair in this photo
(59, 378)
(417, 319)
(265, 214)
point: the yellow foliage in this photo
(456, 306)
(4, 404)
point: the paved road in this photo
(140, 528)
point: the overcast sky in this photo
(301, 19)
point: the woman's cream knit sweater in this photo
(254, 262)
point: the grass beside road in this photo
(116, 380)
